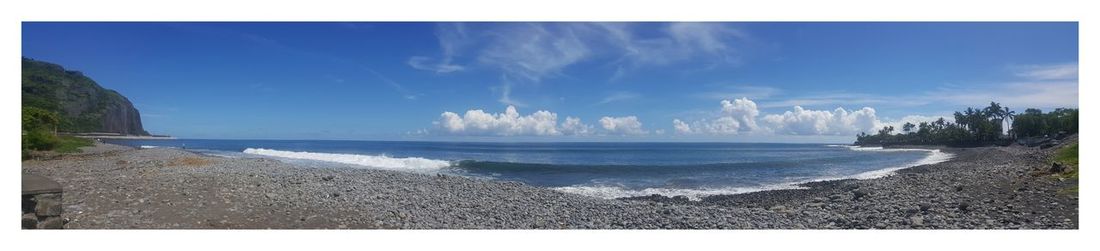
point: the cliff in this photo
(84, 106)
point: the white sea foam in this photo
(611, 192)
(934, 156)
(148, 147)
(374, 161)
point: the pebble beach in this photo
(117, 187)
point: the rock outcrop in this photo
(84, 106)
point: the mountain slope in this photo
(84, 106)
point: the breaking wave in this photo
(375, 161)
(612, 192)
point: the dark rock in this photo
(328, 178)
(964, 206)
(925, 206)
(30, 221)
(1057, 168)
(858, 194)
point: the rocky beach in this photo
(117, 187)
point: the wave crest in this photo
(612, 192)
(375, 161)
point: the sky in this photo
(727, 82)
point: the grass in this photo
(70, 144)
(1068, 156)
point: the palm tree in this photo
(1009, 115)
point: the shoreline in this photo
(172, 188)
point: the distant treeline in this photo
(974, 127)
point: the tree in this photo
(908, 127)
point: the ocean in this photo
(607, 170)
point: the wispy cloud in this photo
(730, 91)
(529, 53)
(1066, 71)
(618, 97)
(405, 93)
(1036, 94)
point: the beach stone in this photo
(964, 206)
(30, 221)
(925, 206)
(51, 223)
(47, 206)
(916, 220)
(858, 194)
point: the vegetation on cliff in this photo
(80, 103)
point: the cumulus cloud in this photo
(742, 116)
(509, 123)
(573, 126)
(801, 121)
(622, 125)
(737, 116)
(743, 111)
(681, 127)
(540, 123)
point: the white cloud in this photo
(681, 127)
(509, 123)
(540, 123)
(743, 111)
(1048, 72)
(822, 122)
(741, 116)
(573, 126)
(622, 125)
(737, 116)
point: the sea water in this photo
(607, 170)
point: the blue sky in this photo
(738, 82)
